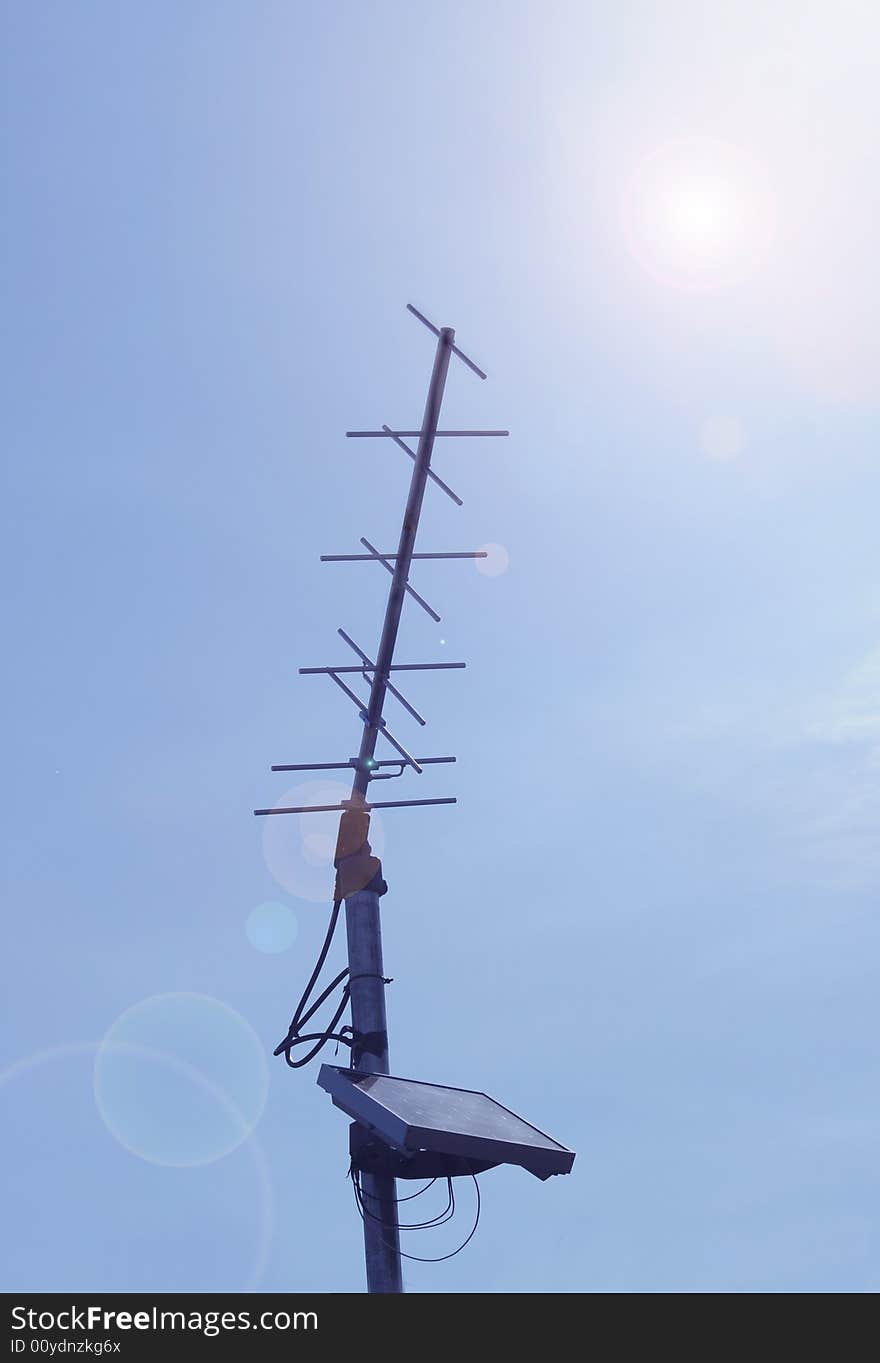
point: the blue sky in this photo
(650, 924)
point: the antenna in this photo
(377, 1159)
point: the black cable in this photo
(410, 1196)
(303, 1019)
(439, 1220)
(319, 965)
(417, 1257)
(305, 1010)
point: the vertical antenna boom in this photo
(402, 562)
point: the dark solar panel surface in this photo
(447, 1109)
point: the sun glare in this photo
(695, 215)
(702, 215)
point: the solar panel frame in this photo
(353, 1092)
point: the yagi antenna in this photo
(375, 673)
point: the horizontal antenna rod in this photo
(366, 558)
(444, 487)
(351, 804)
(369, 666)
(378, 724)
(406, 587)
(352, 762)
(395, 667)
(410, 761)
(454, 348)
(331, 672)
(385, 431)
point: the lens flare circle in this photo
(265, 1200)
(299, 848)
(180, 1079)
(272, 927)
(497, 560)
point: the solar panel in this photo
(410, 1115)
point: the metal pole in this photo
(381, 1235)
(362, 920)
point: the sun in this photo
(696, 214)
(703, 215)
